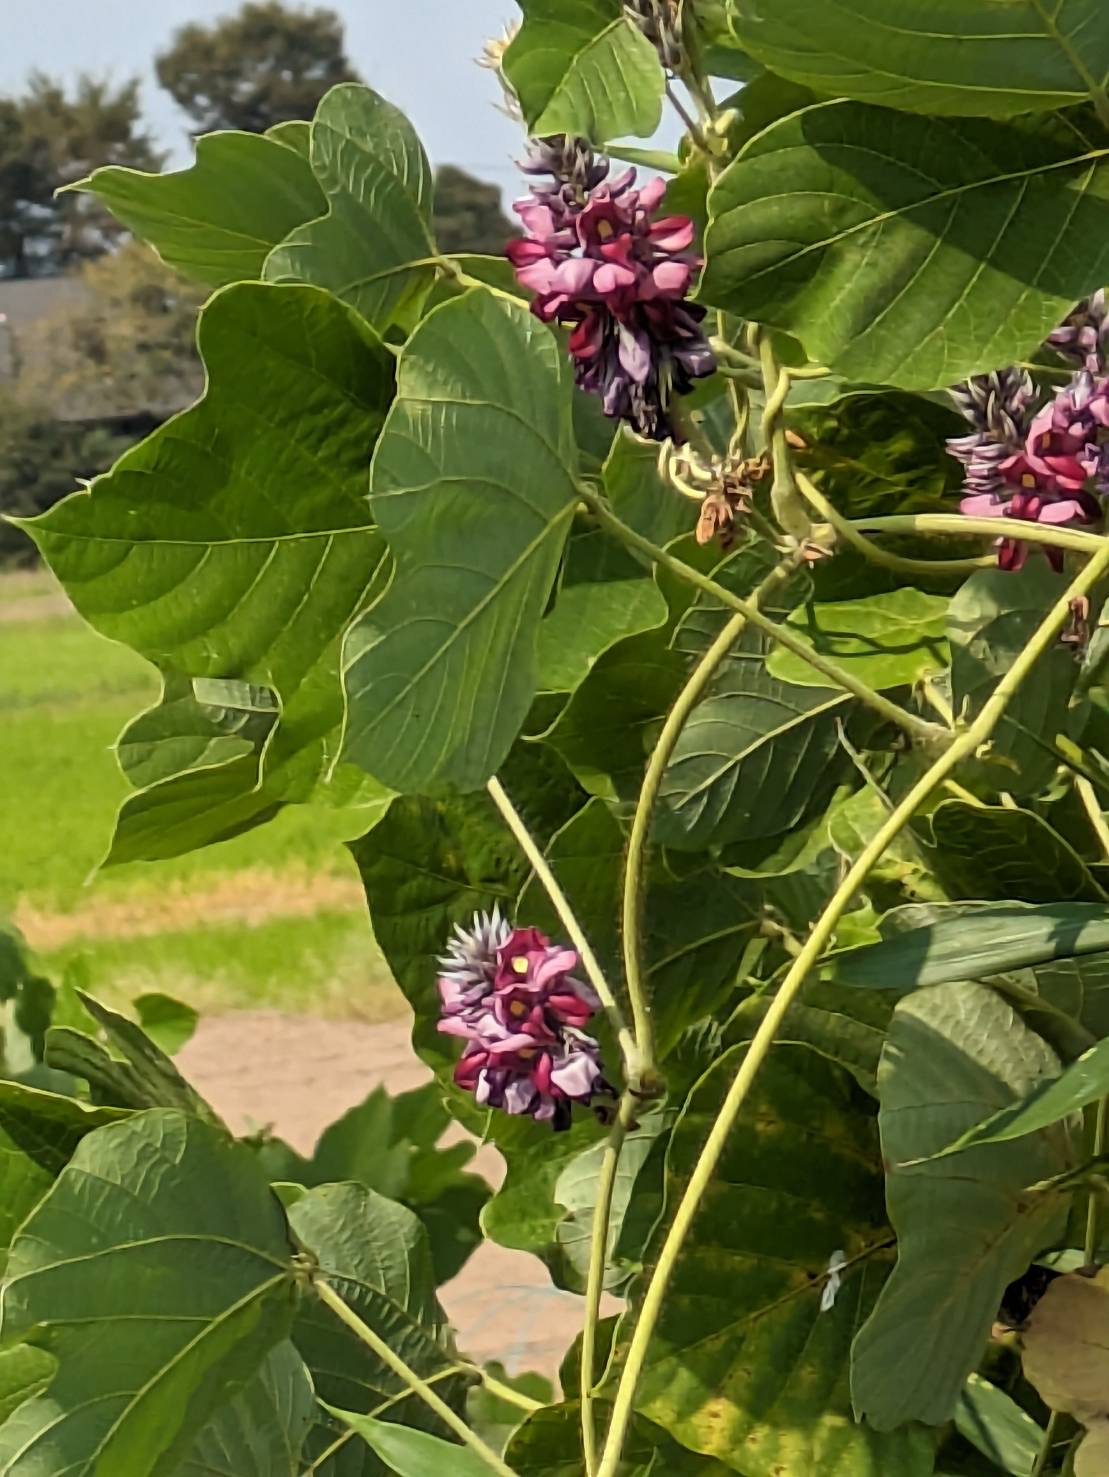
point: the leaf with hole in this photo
(910, 251)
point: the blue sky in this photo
(417, 53)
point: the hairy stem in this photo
(635, 1064)
(964, 747)
(362, 1331)
(994, 528)
(595, 1283)
(916, 727)
(874, 552)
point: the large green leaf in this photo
(965, 1228)
(375, 1254)
(24, 1371)
(994, 852)
(548, 1444)
(261, 1431)
(38, 1133)
(989, 57)
(604, 595)
(162, 1243)
(473, 486)
(414, 1453)
(756, 757)
(1079, 987)
(990, 622)
(640, 496)
(974, 941)
(744, 1366)
(994, 1423)
(219, 219)
(580, 66)
(886, 640)
(1085, 1081)
(372, 246)
(236, 541)
(890, 270)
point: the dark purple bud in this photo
(1081, 338)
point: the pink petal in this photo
(673, 233)
(1061, 512)
(982, 505)
(651, 194)
(671, 279)
(611, 277)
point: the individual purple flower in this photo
(1082, 337)
(526, 1051)
(599, 263)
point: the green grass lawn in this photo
(207, 927)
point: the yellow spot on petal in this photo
(527, 1053)
(604, 229)
(1028, 480)
(520, 965)
(518, 1008)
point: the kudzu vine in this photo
(695, 617)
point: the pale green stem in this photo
(1044, 1453)
(874, 552)
(1088, 795)
(434, 1402)
(693, 128)
(964, 747)
(916, 727)
(502, 1391)
(595, 1282)
(1096, 1150)
(789, 510)
(634, 867)
(995, 528)
(634, 1061)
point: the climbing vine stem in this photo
(964, 747)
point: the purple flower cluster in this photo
(1046, 463)
(599, 263)
(509, 993)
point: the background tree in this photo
(49, 138)
(468, 214)
(267, 64)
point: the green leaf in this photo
(581, 67)
(24, 1372)
(846, 1026)
(367, 248)
(144, 1078)
(754, 1366)
(964, 1231)
(993, 852)
(261, 1431)
(1083, 1081)
(608, 727)
(375, 1254)
(1078, 987)
(756, 757)
(885, 640)
(604, 595)
(414, 1453)
(988, 57)
(990, 622)
(473, 475)
(195, 725)
(971, 941)
(39, 1132)
(642, 498)
(162, 1242)
(169, 1023)
(994, 1423)
(235, 543)
(495, 1418)
(218, 220)
(548, 1444)
(827, 226)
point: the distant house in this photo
(25, 301)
